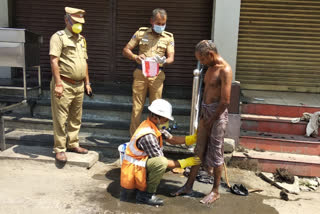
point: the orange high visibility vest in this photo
(133, 169)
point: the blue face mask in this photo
(159, 29)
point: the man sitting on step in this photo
(144, 163)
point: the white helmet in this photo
(162, 108)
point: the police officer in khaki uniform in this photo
(68, 58)
(153, 42)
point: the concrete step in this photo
(109, 127)
(106, 115)
(106, 144)
(273, 124)
(276, 110)
(109, 111)
(123, 99)
(43, 154)
(297, 164)
(263, 141)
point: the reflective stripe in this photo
(134, 140)
(135, 161)
(134, 151)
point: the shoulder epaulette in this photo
(60, 32)
(143, 28)
(84, 40)
(167, 33)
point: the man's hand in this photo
(88, 90)
(139, 58)
(166, 134)
(58, 90)
(192, 161)
(191, 139)
(160, 60)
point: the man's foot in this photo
(182, 191)
(61, 156)
(148, 198)
(79, 150)
(210, 198)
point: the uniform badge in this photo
(134, 36)
(172, 43)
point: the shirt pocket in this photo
(161, 48)
(144, 45)
(69, 50)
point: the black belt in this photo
(139, 66)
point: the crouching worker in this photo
(144, 164)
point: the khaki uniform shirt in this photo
(72, 53)
(151, 44)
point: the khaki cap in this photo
(76, 14)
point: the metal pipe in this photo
(24, 83)
(2, 134)
(195, 99)
(39, 80)
(13, 106)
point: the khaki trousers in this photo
(156, 167)
(67, 109)
(141, 85)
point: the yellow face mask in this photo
(163, 125)
(77, 28)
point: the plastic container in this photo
(122, 150)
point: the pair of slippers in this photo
(237, 189)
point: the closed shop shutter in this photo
(190, 21)
(109, 26)
(279, 45)
(47, 17)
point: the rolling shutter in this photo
(47, 17)
(189, 21)
(279, 45)
(109, 26)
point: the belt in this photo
(67, 79)
(140, 67)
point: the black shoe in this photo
(148, 198)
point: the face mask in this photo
(159, 29)
(163, 125)
(76, 28)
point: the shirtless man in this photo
(213, 118)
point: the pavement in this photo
(30, 185)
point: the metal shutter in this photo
(47, 17)
(110, 25)
(279, 45)
(190, 21)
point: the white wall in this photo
(4, 22)
(4, 19)
(226, 17)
